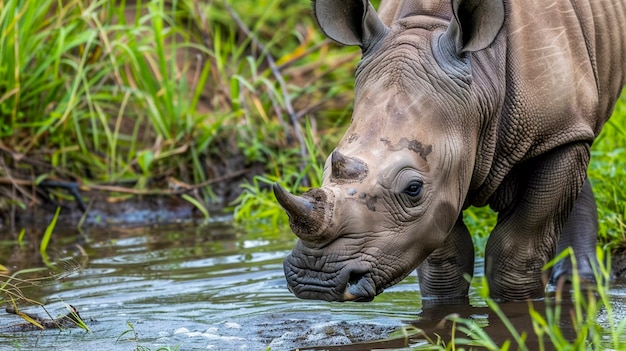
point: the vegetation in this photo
(549, 325)
(158, 97)
(608, 176)
(182, 98)
(12, 288)
(134, 336)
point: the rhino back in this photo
(564, 70)
(565, 61)
(569, 54)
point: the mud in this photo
(71, 319)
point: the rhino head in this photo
(395, 185)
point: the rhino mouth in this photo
(360, 288)
(350, 282)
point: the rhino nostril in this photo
(360, 287)
(355, 278)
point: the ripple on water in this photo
(213, 288)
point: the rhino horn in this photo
(309, 214)
(347, 168)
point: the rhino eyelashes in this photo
(347, 169)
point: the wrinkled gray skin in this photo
(465, 103)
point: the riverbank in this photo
(132, 108)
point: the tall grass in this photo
(608, 176)
(87, 95)
(157, 96)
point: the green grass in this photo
(607, 172)
(159, 96)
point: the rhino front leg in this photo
(581, 234)
(442, 274)
(525, 238)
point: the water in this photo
(210, 287)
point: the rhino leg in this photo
(580, 233)
(536, 205)
(442, 274)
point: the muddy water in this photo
(212, 287)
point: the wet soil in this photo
(104, 210)
(71, 319)
(619, 263)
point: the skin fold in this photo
(460, 103)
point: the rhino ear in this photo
(475, 24)
(349, 22)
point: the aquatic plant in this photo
(12, 295)
(12, 286)
(134, 336)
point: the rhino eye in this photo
(414, 188)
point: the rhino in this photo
(460, 103)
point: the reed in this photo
(156, 96)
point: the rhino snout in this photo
(351, 282)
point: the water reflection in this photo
(214, 287)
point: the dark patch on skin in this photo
(371, 203)
(353, 137)
(347, 169)
(413, 145)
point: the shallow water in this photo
(212, 287)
